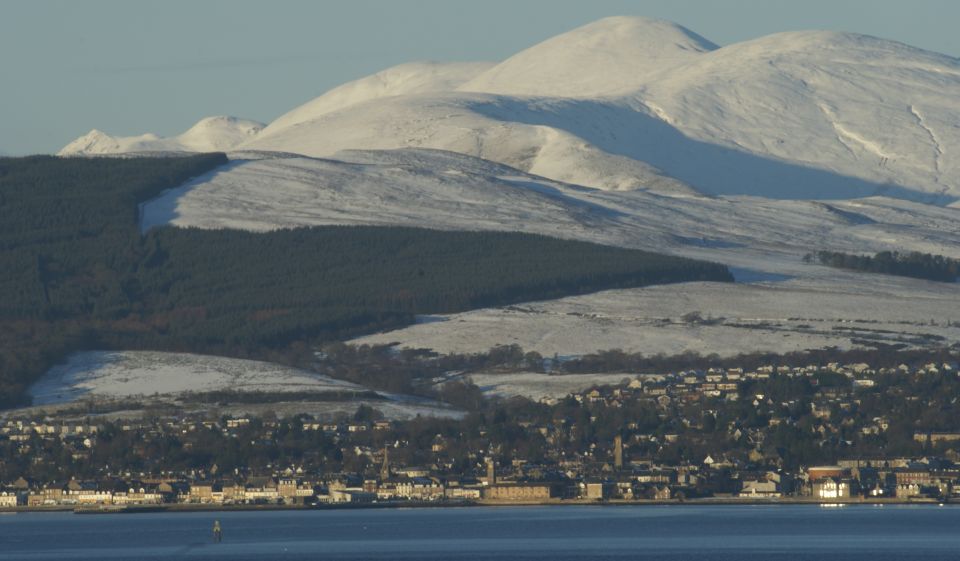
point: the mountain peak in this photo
(609, 56)
(637, 26)
(94, 142)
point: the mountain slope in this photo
(447, 190)
(855, 105)
(503, 130)
(405, 187)
(405, 79)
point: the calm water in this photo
(534, 533)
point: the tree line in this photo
(617, 360)
(911, 264)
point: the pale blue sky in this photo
(128, 67)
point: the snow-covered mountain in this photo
(211, 134)
(635, 133)
(626, 103)
(621, 102)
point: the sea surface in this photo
(680, 533)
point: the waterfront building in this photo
(832, 488)
(523, 491)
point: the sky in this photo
(128, 66)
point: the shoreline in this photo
(707, 501)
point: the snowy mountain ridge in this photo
(626, 102)
(210, 134)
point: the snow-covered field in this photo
(777, 317)
(537, 386)
(129, 374)
(151, 377)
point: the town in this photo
(813, 433)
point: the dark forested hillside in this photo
(248, 288)
(76, 273)
(69, 228)
(69, 239)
